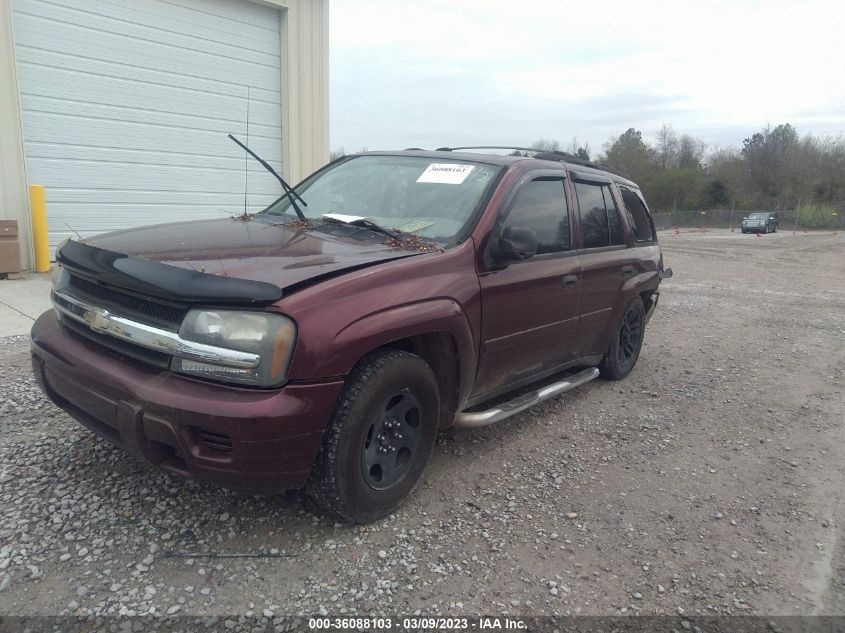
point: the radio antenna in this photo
(75, 231)
(246, 156)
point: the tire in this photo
(627, 341)
(379, 438)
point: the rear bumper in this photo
(252, 440)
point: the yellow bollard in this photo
(38, 208)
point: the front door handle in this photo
(627, 271)
(569, 280)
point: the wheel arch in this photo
(440, 352)
(438, 331)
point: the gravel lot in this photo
(711, 481)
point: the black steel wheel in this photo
(379, 438)
(630, 335)
(392, 441)
(626, 342)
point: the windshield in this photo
(432, 198)
(758, 216)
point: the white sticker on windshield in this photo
(446, 173)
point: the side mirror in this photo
(745, 218)
(517, 243)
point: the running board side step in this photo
(478, 419)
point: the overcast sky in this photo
(463, 72)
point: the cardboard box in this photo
(10, 248)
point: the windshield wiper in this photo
(364, 224)
(289, 192)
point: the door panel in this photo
(529, 319)
(530, 309)
(603, 273)
(607, 262)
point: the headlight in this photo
(270, 336)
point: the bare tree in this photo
(546, 145)
(690, 152)
(667, 147)
(577, 149)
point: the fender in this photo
(380, 328)
(634, 286)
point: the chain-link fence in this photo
(789, 219)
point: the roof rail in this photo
(543, 154)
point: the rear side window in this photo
(600, 222)
(541, 205)
(638, 215)
(617, 234)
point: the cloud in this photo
(423, 74)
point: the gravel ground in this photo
(709, 482)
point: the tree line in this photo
(774, 169)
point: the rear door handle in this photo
(627, 271)
(569, 280)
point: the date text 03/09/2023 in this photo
(416, 623)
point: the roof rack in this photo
(543, 154)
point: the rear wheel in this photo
(379, 438)
(624, 349)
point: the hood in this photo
(257, 249)
(218, 252)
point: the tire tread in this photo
(323, 485)
(608, 367)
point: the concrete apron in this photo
(22, 300)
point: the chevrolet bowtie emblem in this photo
(97, 320)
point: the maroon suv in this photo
(325, 340)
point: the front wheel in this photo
(379, 438)
(624, 348)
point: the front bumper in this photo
(257, 441)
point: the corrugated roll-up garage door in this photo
(126, 106)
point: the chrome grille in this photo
(126, 304)
(141, 333)
(120, 346)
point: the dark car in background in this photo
(324, 341)
(760, 222)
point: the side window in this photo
(600, 221)
(617, 233)
(638, 215)
(594, 229)
(541, 205)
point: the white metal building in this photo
(120, 109)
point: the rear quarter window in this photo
(638, 216)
